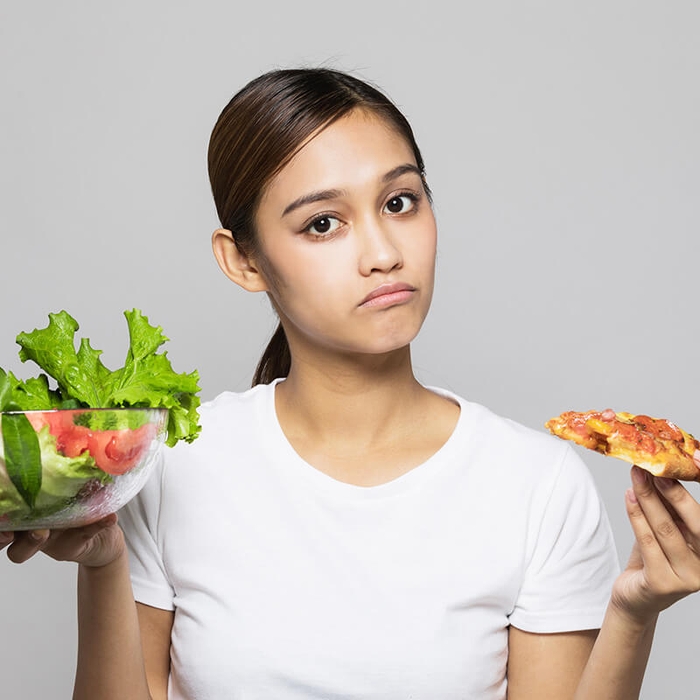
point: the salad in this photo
(71, 432)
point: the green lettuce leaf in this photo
(11, 502)
(22, 455)
(62, 479)
(147, 379)
(5, 389)
(53, 349)
(27, 395)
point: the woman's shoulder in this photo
(229, 417)
(510, 449)
(231, 437)
(228, 399)
(241, 405)
(492, 425)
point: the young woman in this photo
(340, 530)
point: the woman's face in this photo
(348, 240)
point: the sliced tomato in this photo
(114, 451)
(38, 420)
(118, 451)
(71, 439)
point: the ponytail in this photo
(275, 361)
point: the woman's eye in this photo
(400, 204)
(323, 226)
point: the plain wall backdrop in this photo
(561, 142)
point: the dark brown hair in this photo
(258, 133)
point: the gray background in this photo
(561, 141)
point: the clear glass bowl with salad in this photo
(79, 440)
(66, 468)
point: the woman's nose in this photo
(378, 249)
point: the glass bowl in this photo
(69, 467)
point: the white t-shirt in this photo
(290, 585)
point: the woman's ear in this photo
(236, 265)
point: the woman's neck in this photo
(351, 397)
(363, 422)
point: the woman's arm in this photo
(110, 655)
(156, 628)
(615, 669)
(544, 666)
(663, 568)
(605, 666)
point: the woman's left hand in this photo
(665, 562)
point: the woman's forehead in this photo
(357, 150)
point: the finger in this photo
(93, 529)
(660, 489)
(696, 458)
(648, 550)
(673, 494)
(6, 538)
(73, 543)
(26, 545)
(684, 507)
(87, 532)
(660, 533)
(690, 539)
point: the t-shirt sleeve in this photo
(139, 521)
(572, 562)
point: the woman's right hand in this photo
(94, 545)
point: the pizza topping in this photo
(660, 428)
(578, 425)
(640, 440)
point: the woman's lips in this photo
(388, 294)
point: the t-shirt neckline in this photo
(289, 459)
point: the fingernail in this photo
(631, 496)
(639, 476)
(36, 535)
(696, 458)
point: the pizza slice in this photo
(655, 444)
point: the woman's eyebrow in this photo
(312, 197)
(323, 195)
(400, 170)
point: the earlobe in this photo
(235, 264)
